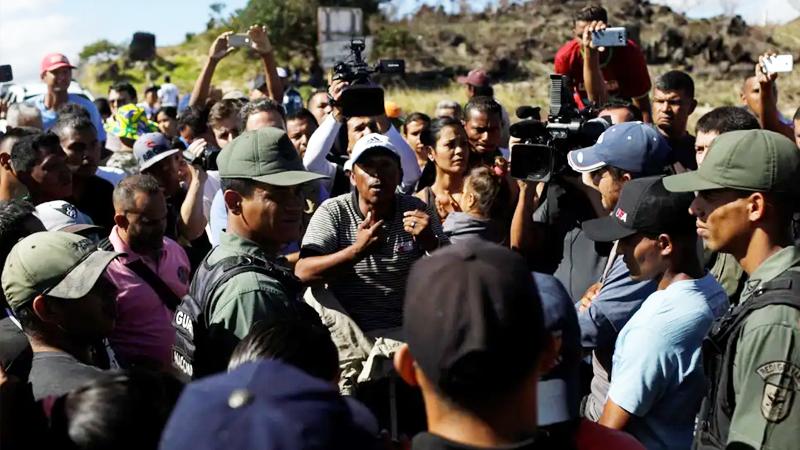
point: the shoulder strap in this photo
(782, 290)
(162, 290)
(105, 244)
(231, 266)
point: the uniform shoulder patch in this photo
(781, 381)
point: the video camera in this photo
(362, 97)
(543, 150)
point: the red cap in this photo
(53, 61)
(475, 77)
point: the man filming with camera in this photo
(355, 104)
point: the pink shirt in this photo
(144, 323)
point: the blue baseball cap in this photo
(559, 393)
(266, 405)
(631, 146)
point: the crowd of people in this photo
(265, 271)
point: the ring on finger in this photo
(413, 224)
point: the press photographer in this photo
(357, 102)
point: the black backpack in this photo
(201, 349)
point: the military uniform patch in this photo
(781, 380)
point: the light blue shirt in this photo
(50, 116)
(657, 374)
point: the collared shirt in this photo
(766, 368)
(371, 289)
(50, 116)
(144, 328)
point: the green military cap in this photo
(266, 155)
(751, 160)
(54, 263)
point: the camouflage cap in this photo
(266, 155)
(54, 263)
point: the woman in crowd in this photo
(448, 151)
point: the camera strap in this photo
(611, 258)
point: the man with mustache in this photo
(673, 103)
(363, 244)
(151, 275)
(244, 280)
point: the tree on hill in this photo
(293, 25)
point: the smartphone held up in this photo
(610, 37)
(777, 64)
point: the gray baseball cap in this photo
(55, 263)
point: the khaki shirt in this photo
(766, 372)
(244, 299)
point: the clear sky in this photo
(31, 28)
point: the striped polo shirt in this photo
(372, 289)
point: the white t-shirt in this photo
(168, 95)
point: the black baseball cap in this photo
(473, 318)
(644, 206)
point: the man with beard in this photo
(90, 193)
(151, 276)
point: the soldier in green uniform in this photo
(244, 279)
(746, 191)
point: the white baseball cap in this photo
(59, 215)
(372, 141)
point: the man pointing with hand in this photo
(363, 244)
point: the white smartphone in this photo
(610, 37)
(778, 63)
(239, 40)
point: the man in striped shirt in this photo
(363, 244)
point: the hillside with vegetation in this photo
(516, 43)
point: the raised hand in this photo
(259, 39)
(220, 48)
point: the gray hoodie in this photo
(460, 226)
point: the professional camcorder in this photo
(543, 150)
(362, 97)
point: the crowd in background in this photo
(263, 270)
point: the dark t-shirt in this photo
(683, 151)
(57, 373)
(429, 441)
(97, 202)
(624, 70)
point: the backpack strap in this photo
(231, 266)
(782, 290)
(105, 244)
(162, 290)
